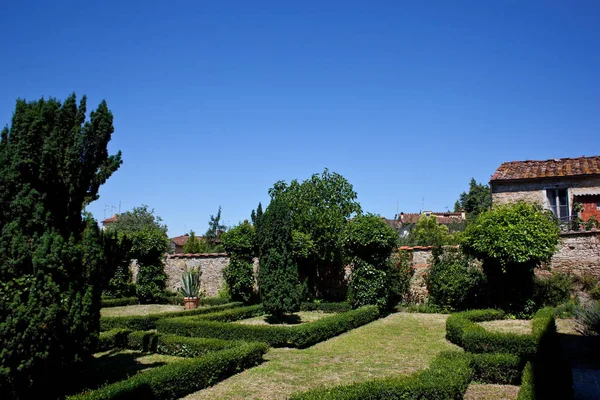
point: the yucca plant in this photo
(190, 283)
(588, 319)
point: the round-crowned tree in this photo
(278, 282)
(511, 240)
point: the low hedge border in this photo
(174, 299)
(147, 322)
(301, 336)
(178, 379)
(173, 345)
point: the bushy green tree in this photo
(369, 242)
(239, 243)
(455, 282)
(136, 220)
(474, 202)
(52, 164)
(193, 245)
(512, 239)
(148, 248)
(278, 282)
(116, 276)
(321, 207)
(427, 232)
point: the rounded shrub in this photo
(454, 281)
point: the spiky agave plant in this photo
(190, 283)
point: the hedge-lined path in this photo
(401, 343)
(584, 354)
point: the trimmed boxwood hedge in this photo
(174, 299)
(147, 322)
(300, 336)
(123, 301)
(178, 379)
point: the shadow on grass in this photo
(108, 368)
(581, 351)
(291, 319)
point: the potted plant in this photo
(190, 288)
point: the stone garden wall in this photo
(578, 253)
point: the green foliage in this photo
(139, 219)
(427, 232)
(591, 223)
(178, 379)
(147, 322)
(588, 319)
(375, 278)
(368, 285)
(150, 284)
(193, 245)
(552, 290)
(369, 238)
(320, 207)
(476, 201)
(517, 233)
(512, 240)
(215, 228)
(454, 282)
(299, 336)
(497, 368)
(116, 275)
(52, 164)
(278, 282)
(240, 243)
(190, 283)
(119, 302)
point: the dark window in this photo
(598, 205)
(558, 200)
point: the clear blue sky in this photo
(216, 101)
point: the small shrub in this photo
(239, 242)
(552, 290)
(588, 319)
(367, 285)
(454, 282)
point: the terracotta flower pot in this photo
(191, 302)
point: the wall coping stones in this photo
(197, 255)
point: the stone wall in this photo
(535, 191)
(578, 253)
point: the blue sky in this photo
(216, 101)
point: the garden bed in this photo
(518, 326)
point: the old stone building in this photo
(556, 184)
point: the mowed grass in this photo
(139, 309)
(295, 319)
(492, 392)
(398, 344)
(519, 326)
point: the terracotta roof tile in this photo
(554, 168)
(180, 240)
(111, 219)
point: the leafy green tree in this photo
(427, 232)
(116, 276)
(321, 207)
(369, 242)
(512, 239)
(148, 248)
(278, 282)
(476, 201)
(239, 243)
(52, 164)
(193, 245)
(137, 220)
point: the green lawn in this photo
(401, 343)
(139, 309)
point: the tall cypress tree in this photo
(52, 164)
(278, 282)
